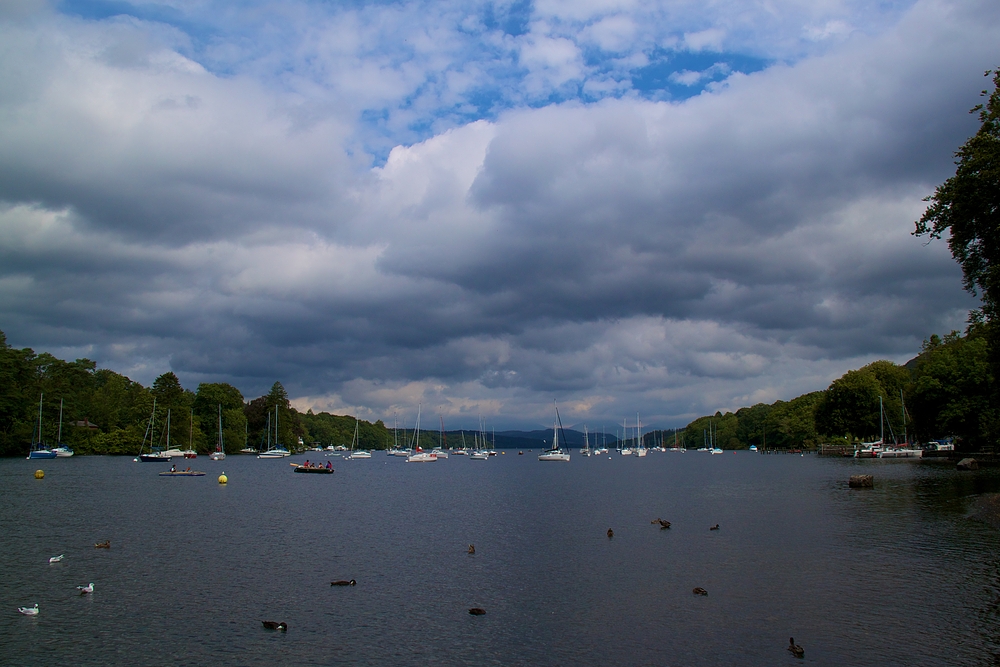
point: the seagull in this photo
(86, 589)
(56, 559)
(29, 611)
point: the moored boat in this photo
(38, 449)
(554, 453)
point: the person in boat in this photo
(173, 468)
(307, 463)
(329, 465)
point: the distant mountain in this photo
(573, 438)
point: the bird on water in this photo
(611, 533)
(29, 611)
(472, 549)
(56, 559)
(698, 590)
(342, 582)
(86, 589)
(274, 625)
(477, 611)
(795, 649)
(715, 527)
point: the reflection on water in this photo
(893, 575)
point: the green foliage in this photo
(208, 400)
(782, 425)
(967, 206)
(850, 406)
(950, 391)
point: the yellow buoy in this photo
(39, 474)
(223, 479)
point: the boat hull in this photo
(41, 454)
(182, 473)
(217, 456)
(318, 471)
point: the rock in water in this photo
(968, 464)
(862, 482)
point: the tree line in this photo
(943, 392)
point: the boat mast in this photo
(881, 423)
(168, 428)
(221, 447)
(59, 436)
(191, 430)
(40, 396)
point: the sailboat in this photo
(555, 453)
(361, 453)
(154, 455)
(441, 450)
(274, 451)
(220, 448)
(38, 448)
(585, 450)
(419, 455)
(61, 450)
(640, 449)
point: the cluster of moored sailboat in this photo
(39, 450)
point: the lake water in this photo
(898, 575)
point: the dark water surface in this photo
(898, 575)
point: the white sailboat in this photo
(640, 449)
(220, 449)
(555, 453)
(361, 453)
(275, 451)
(419, 455)
(61, 450)
(585, 450)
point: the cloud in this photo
(508, 240)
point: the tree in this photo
(949, 393)
(967, 206)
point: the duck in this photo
(275, 625)
(342, 582)
(106, 544)
(715, 527)
(56, 559)
(698, 590)
(477, 611)
(611, 533)
(29, 611)
(472, 549)
(663, 524)
(795, 649)
(86, 589)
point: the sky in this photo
(483, 208)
